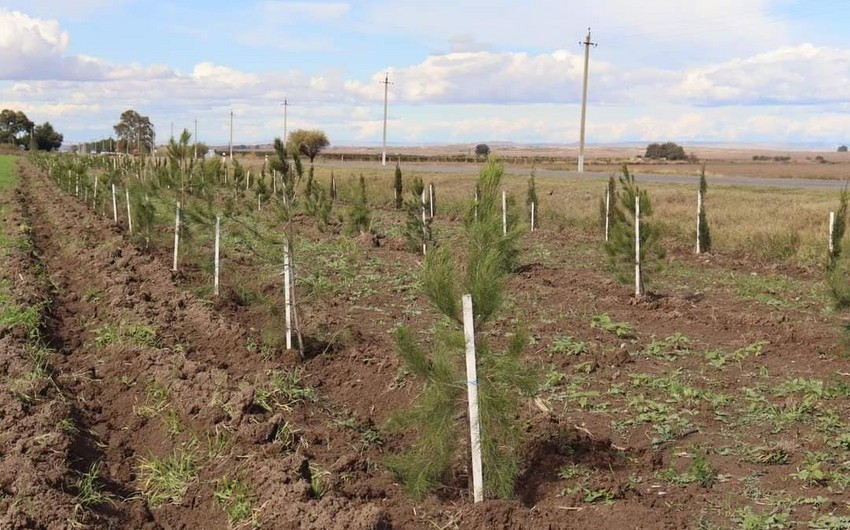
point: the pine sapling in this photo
(838, 267)
(438, 414)
(531, 198)
(398, 188)
(606, 204)
(359, 213)
(704, 234)
(621, 242)
(417, 227)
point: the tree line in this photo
(17, 130)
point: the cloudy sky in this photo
(738, 71)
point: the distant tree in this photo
(482, 150)
(135, 132)
(669, 150)
(842, 148)
(307, 142)
(14, 127)
(200, 148)
(45, 138)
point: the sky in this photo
(462, 71)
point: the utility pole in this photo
(587, 44)
(285, 104)
(172, 130)
(231, 135)
(195, 155)
(386, 83)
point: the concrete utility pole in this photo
(231, 135)
(386, 83)
(285, 104)
(195, 155)
(587, 44)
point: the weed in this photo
(567, 345)
(748, 519)
(143, 335)
(668, 349)
(773, 455)
(89, 491)
(288, 436)
(830, 522)
(699, 471)
(156, 398)
(317, 480)
(106, 335)
(284, 389)
(165, 480)
(235, 498)
(622, 330)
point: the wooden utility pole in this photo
(587, 44)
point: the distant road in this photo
(471, 169)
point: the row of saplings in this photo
(478, 263)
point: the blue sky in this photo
(724, 71)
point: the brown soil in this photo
(204, 359)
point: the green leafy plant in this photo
(623, 330)
(480, 268)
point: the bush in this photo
(398, 187)
(669, 150)
(842, 148)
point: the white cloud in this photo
(800, 75)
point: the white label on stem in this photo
(638, 278)
(176, 235)
(831, 232)
(217, 246)
(114, 206)
(287, 296)
(504, 213)
(129, 214)
(472, 398)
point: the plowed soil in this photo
(143, 369)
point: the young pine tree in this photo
(417, 226)
(608, 195)
(621, 241)
(704, 234)
(359, 213)
(438, 414)
(531, 198)
(398, 187)
(838, 266)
